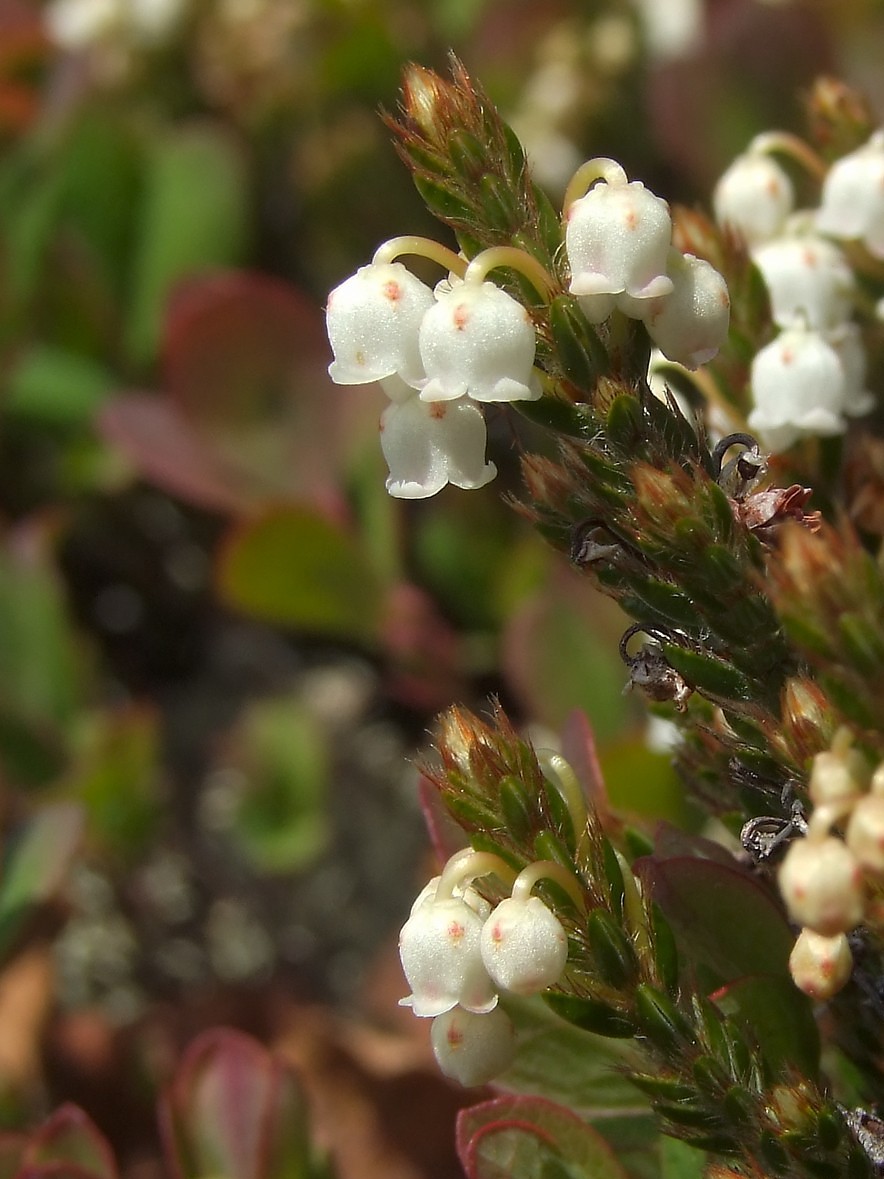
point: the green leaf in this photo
(53, 387)
(70, 1139)
(559, 1061)
(529, 1138)
(293, 567)
(36, 865)
(281, 821)
(195, 217)
(778, 1019)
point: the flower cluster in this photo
(443, 354)
(618, 240)
(439, 356)
(458, 954)
(811, 377)
(825, 877)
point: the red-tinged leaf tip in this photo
(512, 1136)
(69, 1143)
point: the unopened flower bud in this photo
(754, 197)
(440, 951)
(809, 281)
(865, 834)
(429, 444)
(524, 946)
(821, 884)
(838, 775)
(617, 240)
(473, 1049)
(478, 341)
(852, 199)
(373, 319)
(690, 324)
(799, 388)
(820, 966)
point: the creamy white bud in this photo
(524, 946)
(473, 1049)
(439, 947)
(809, 281)
(822, 885)
(838, 776)
(799, 388)
(429, 444)
(754, 197)
(617, 240)
(373, 319)
(852, 199)
(820, 966)
(478, 341)
(865, 834)
(690, 324)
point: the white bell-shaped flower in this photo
(429, 444)
(373, 319)
(478, 341)
(799, 388)
(865, 834)
(473, 1049)
(524, 946)
(754, 196)
(690, 324)
(822, 885)
(465, 893)
(809, 281)
(617, 240)
(852, 199)
(439, 947)
(848, 345)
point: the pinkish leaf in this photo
(579, 750)
(515, 1137)
(12, 1149)
(671, 842)
(445, 835)
(245, 363)
(164, 448)
(233, 1110)
(69, 1143)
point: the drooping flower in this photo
(809, 281)
(373, 319)
(430, 444)
(852, 199)
(478, 341)
(851, 351)
(473, 1049)
(754, 196)
(524, 946)
(799, 388)
(439, 947)
(617, 240)
(690, 324)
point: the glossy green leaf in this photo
(778, 1018)
(293, 567)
